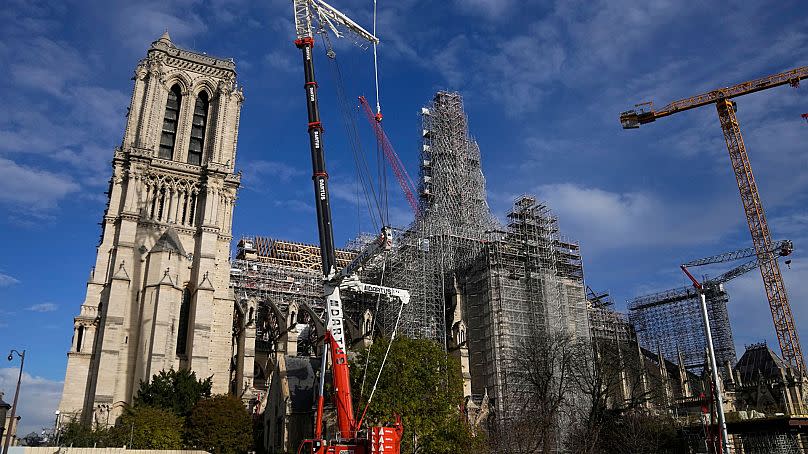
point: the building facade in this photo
(158, 296)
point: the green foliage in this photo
(423, 385)
(174, 390)
(81, 435)
(220, 425)
(145, 427)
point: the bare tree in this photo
(540, 387)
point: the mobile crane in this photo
(349, 438)
(753, 207)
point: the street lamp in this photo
(16, 397)
(56, 428)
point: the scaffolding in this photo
(606, 324)
(281, 273)
(451, 230)
(671, 321)
(511, 281)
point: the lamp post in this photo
(56, 428)
(16, 397)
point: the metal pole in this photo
(16, 397)
(714, 369)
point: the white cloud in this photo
(43, 307)
(294, 205)
(6, 280)
(140, 25)
(281, 60)
(35, 69)
(39, 398)
(605, 220)
(262, 171)
(32, 190)
(490, 9)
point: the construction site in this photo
(483, 289)
(477, 287)
(545, 363)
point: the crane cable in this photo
(363, 172)
(376, 68)
(379, 157)
(372, 330)
(384, 361)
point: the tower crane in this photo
(753, 208)
(349, 439)
(781, 248)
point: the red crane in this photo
(753, 207)
(349, 438)
(404, 180)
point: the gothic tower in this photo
(158, 296)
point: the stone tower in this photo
(158, 296)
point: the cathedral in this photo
(158, 296)
(165, 293)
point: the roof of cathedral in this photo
(170, 242)
(759, 361)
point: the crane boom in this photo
(404, 180)
(781, 247)
(632, 119)
(753, 207)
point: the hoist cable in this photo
(371, 198)
(384, 361)
(376, 63)
(372, 330)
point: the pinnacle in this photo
(165, 36)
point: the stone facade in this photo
(158, 297)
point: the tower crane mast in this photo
(752, 205)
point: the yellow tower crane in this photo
(755, 217)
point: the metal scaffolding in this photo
(525, 281)
(454, 222)
(283, 274)
(671, 320)
(510, 281)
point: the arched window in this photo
(169, 136)
(80, 339)
(198, 129)
(182, 330)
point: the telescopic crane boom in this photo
(348, 440)
(752, 205)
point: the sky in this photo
(543, 83)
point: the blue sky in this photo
(543, 85)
